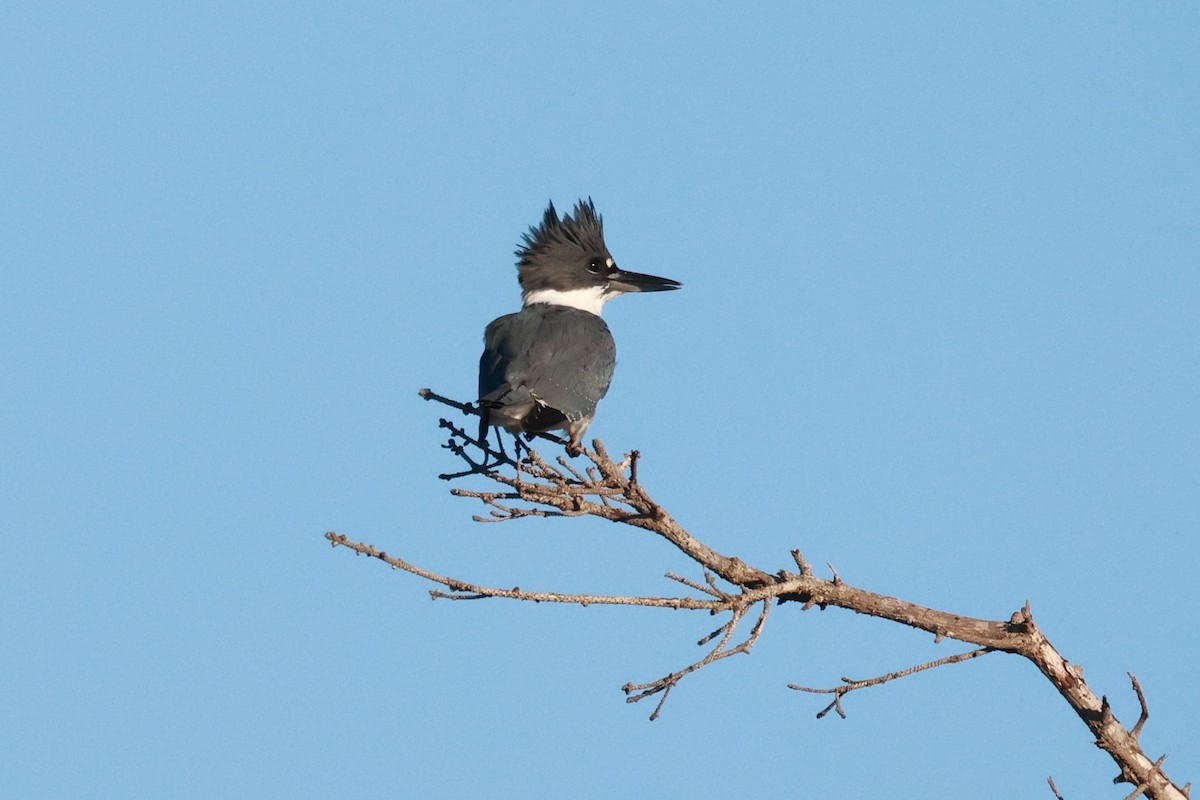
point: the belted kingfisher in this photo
(546, 367)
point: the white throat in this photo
(591, 299)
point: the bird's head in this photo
(565, 262)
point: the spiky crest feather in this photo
(583, 228)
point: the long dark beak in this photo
(624, 281)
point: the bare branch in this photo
(688, 582)
(613, 491)
(805, 567)
(1144, 786)
(849, 685)
(462, 588)
(1145, 715)
(466, 408)
(640, 691)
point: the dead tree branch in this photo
(640, 691)
(531, 486)
(849, 685)
(463, 590)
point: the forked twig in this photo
(849, 685)
(640, 691)
(462, 590)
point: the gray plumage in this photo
(533, 378)
(547, 366)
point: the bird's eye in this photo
(595, 266)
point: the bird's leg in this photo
(518, 445)
(483, 425)
(487, 446)
(485, 432)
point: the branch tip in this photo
(850, 685)
(1145, 710)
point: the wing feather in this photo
(549, 364)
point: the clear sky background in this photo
(940, 327)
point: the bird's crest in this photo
(583, 228)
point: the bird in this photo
(547, 366)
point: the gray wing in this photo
(555, 359)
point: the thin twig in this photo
(466, 408)
(852, 685)
(1136, 731)
(458, 586)
(640, 691)
(692, 584)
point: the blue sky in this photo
(939, 328)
